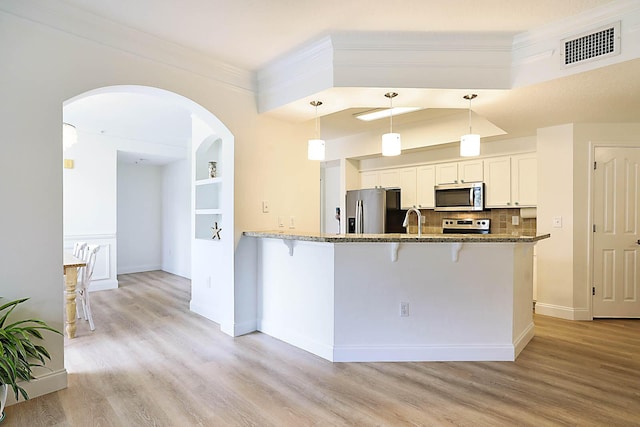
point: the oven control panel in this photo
(466, 225)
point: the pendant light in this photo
(470, 143)
(315, 149)
(391, 141)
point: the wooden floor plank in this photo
(151, 362)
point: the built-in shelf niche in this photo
(208, 190)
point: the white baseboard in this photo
(42, 385)
(103, 285)
(205, 312)
(138, 268)
(238, 329)
(430, 353)
(561, 312)
(524, 338)
(325, 351)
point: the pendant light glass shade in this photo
(315, 147)
(470, 143)
(391, 145)
(69, 136)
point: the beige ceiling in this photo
(252, 33)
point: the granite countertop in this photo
(394, 238)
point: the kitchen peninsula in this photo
(397, 297)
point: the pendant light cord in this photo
(470, 97)
(390, 95)
(317, 104)
(469, 114)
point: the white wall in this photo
(555, 199)
(331, 197)
(139, 207)
(49, 65)
(176, 218)
(564, 170)
(89, 188)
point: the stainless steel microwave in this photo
(468, 196)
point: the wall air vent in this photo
(591, 46)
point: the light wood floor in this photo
(151, 362)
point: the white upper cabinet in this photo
(511, 181)
(390, 178)
(524, 180)
(369, 179)
(425, 180)
(447, 173)
(497, 180)
(471, 171)
(459, 172)
(408, 187)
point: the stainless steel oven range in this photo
(466, 225)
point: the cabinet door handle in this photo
(508, 203)
(516, 203)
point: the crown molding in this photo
(73, 21)
(361, 59)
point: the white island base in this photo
(341, 299)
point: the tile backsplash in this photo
(500, 221)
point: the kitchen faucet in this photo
(406, 220)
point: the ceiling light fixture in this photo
(69, 136)
(384, 113)
(391, 145)
(470, 143)
(315, 149)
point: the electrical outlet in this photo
(281, 221)
(515, 220)
(265, 206)
(292, 222)
(404, 309)
(557, 222)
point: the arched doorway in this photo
(210, 264)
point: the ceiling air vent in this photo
(592, 45)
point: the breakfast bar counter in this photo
(396, 297)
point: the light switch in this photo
(557, 222)
(265, 206)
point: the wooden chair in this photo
(84, 280)
(79, 249)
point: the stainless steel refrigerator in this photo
(374, 211)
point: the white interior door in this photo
(616, 268)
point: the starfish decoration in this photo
(216, 231)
